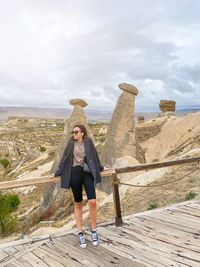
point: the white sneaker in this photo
(95, 239)
(82, 242)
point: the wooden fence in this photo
(109, 172)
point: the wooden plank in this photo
(14, 265)
(34, 260)
(10, 250)
(48, 259)
(174, 228)
(20, 262)
(177, 241)
(161, 246)
(187, 210)
(57, 254)
(23, 247)
(20, 253)
(3, 255)
(97, 256)
(171, 216)
(175, 220)
(140, 243)
(158, 229)
(154, 229)
(193, 205)
(28, 182)
(132, 248)
(186, 217)
(168, 254)
(77, 253)
(83, 260)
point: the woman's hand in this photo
(52, 175)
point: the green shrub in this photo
(5, 162)
(190, 195)
(192, 180)
(153, 206)
(42, 148)
(8, 204)
(98, 135)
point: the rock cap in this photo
(167, 105)
(141, 118)
(129, 88)
(78, 102)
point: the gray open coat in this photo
(65, 165)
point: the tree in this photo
(5, 162)
(42, 148)
(8, 204)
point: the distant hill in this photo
(63, 113)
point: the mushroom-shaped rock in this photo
(128, 88)
(78, 102)
(53, 190)
(121, 139)
(167, 105)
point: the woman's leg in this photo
(78, 215)
(76, 186)
(91, 195)
(93, 212)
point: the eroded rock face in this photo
(124, 162)
(167, 105)
(120, 138)
(77, 117)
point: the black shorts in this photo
(78, 179)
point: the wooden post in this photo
(116, 200)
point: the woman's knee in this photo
(92, 202)
(78, 205)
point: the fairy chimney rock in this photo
(78, 102)
(120, 138)
(167, 107)
(77, 117)
(128, 88)
(53, 191)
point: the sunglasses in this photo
(75, 132)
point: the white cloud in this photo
(52, 51)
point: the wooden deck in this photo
(162, 237)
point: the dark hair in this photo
(82, 128)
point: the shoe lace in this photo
(94, 236)
(82, 239)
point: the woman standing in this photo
(80, 148)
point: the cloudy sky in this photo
(53, 51)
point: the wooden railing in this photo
(109, 172)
